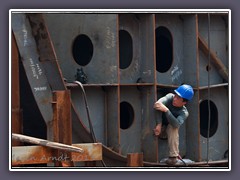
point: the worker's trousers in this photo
(173, 140)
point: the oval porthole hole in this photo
(82, 49)
(125, 49)
(164, 49)
(204, 117)
(126, 115)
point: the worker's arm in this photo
(176, 122)
(160, 105)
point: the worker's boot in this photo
(171, 161)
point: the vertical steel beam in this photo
(16, 121)
(135, 159)
(46, 51)
(62, 124)
(33, 67)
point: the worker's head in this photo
(184, 93)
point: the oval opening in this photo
(204, 113)
(82, 49)
(125, 49)
(164, 49)
(126, 115)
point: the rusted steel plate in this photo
(41, 74)
(33, 68)
(42, 37)
(92, 152)
(30, 155)
(62, 124)
(51, 73)
(15, 103)
(135, 159)
(62, 116)
(46, 51)
(41, 155)
(16, 120)
(16, 124)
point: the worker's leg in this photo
(173, 141)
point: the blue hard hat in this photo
(185, 91)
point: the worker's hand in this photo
(160, 106)
(157, 129)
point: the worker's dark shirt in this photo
(175, 115)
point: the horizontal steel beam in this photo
(40, 155)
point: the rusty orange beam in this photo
(223, 71)
(16, 113)
(62, 124)
(62, 117)
(42, 155)
(135, 159)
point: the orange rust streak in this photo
(41, 155)
(16, 121)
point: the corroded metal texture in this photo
(43, 155)
(16, 112)
(33, 68)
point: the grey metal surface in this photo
(95, 98)
(149, 141)
(218, 44)
(193, 129)
(219, 142)
(130, 137)
(140, 27)
(33, 67)
(175, 74)
(101, 29)
(190, 58)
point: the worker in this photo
(173, 113)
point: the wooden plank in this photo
(42, 155)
